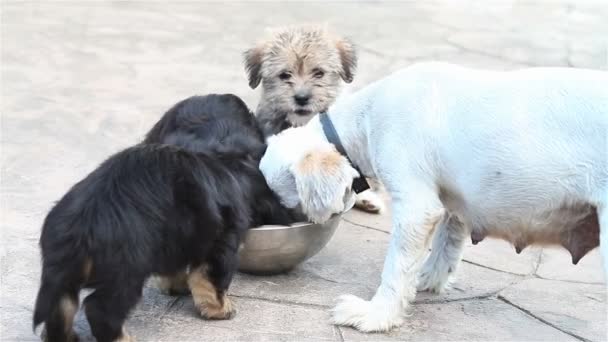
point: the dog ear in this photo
(323, 182)
(253, 65)
(348, 58)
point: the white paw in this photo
(370, 202)
(366, 316)
(432, 281)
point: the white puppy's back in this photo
(507, 146)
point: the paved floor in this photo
(80, 81)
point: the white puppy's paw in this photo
(364, 315)
(369, 201)
(433, 281)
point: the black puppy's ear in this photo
(348, 58)
(253, 65)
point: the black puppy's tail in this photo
(64, 270)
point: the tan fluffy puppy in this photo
(301, 69)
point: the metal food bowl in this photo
(276, 249)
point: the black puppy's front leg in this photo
(209, 282)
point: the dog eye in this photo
(318, 73)
(285, 76)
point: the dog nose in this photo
(302, 99)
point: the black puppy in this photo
(154, 209)
(222, 123)
(219, 123)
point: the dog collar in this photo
(359, 184)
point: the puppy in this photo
(217, 123)
(517, 155)
(301, 69)
(214, 122)
(152, 209)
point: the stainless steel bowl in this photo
(277, 249)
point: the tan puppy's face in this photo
(301, 70)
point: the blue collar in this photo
(359, 184)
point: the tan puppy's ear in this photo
(253, 65)
(323, 180)
(348, 58)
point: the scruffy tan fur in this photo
(308, 61)
(301, 52)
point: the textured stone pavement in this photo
(82, 80)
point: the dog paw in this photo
(370, 202)
(431, 281)
(364, 315)
(218, 311)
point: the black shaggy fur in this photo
(211, 122)
(222, 123)
(155, 209)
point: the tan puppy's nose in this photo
(301, 97)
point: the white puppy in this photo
(520, 155)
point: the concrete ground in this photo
(83, 80)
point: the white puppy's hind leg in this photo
(414, 217)
(440, 266)
(370, 200)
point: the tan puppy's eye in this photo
(318, 73)
(285, 75)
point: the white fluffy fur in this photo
(317, 203)
(310, 193)
(461, 149)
